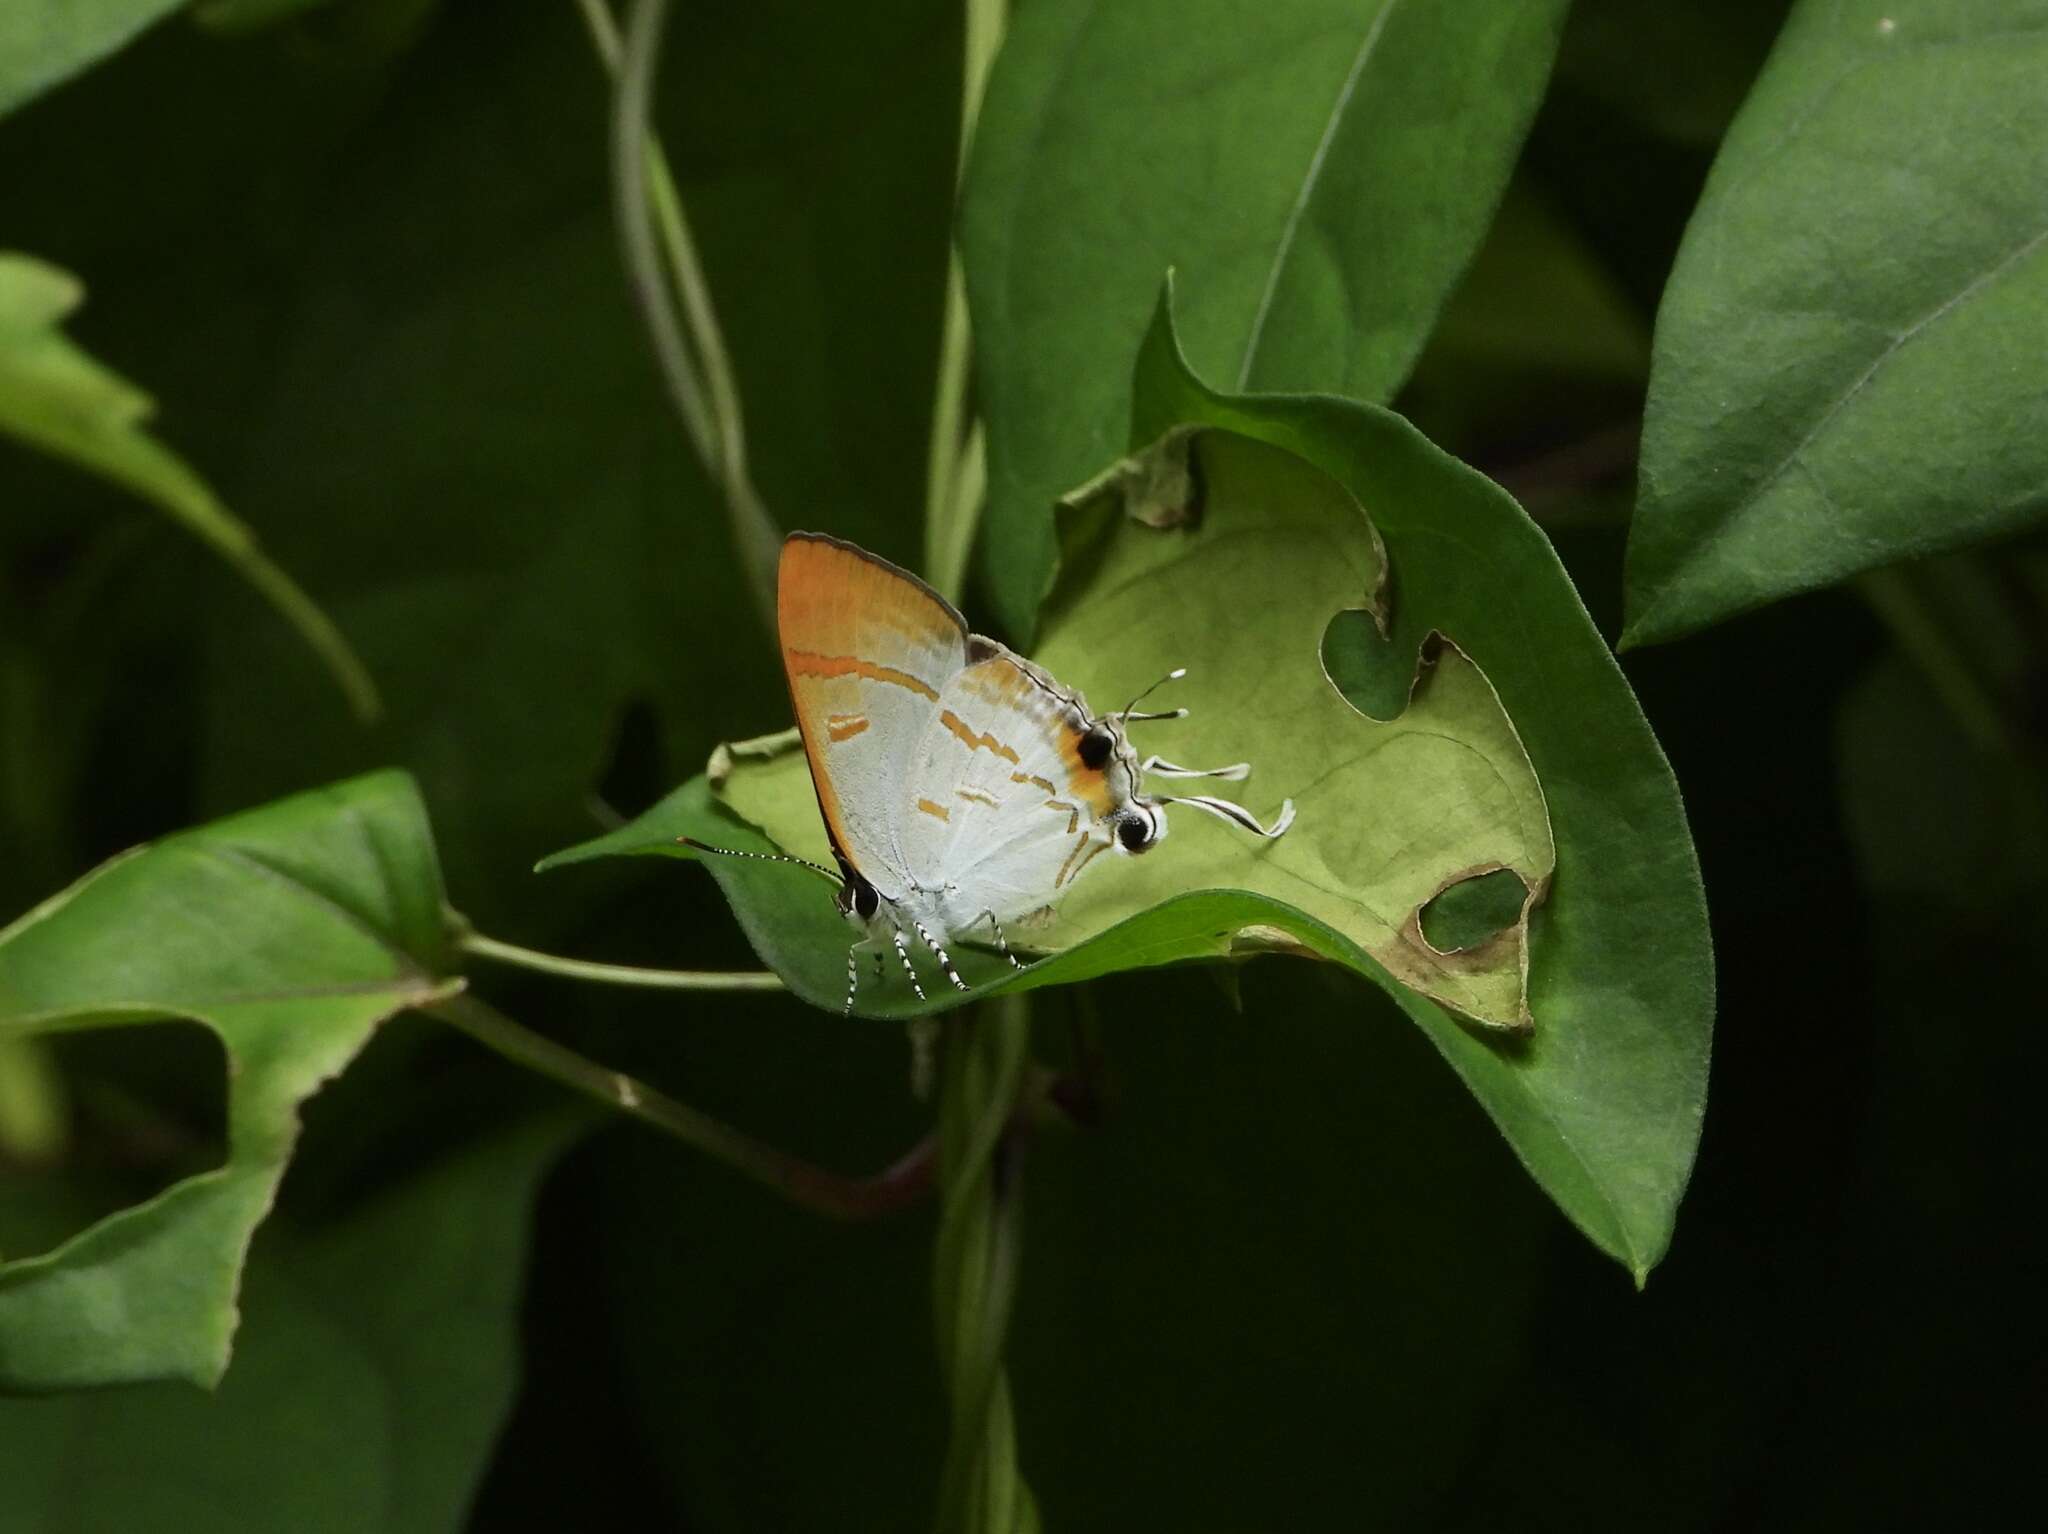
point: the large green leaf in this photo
(43, 42)
(1847, 358)
(291, 931)
(1241, 599)
(56, 398)
(1320, 171)
(1603, 1101)
(377, 1363)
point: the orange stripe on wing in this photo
(806, 663)
(845, 726)
(936, 811)
(1071, 870)
(981, 742)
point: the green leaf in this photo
(291, 931)
(44, 42)
(56, 398)
(1603, 1101)
(1319, 171)
(1279, 553)
(376, 1367)
(1847, 359)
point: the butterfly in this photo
(961, 786)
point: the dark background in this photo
(1294, 1279)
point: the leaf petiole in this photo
(478, 946)
(816, 1188)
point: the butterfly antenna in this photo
(1237, 814)
(762, 857)
(1126, 712)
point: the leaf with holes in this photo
(1273, 581)
(1848, 357)
(1392, 811)
(291, 931)
(1319, 171)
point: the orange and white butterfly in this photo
(962, 787)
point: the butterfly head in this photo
(857, 899)
(1138, 824)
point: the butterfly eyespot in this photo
(1094, 748)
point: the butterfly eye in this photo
(1094, 748)
(866, 902)
(1135, 832)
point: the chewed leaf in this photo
(291, 931)
(1240, 587)
(1422, 830)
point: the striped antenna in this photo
(761, 857)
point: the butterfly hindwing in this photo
(1003, 812)
(868, 650)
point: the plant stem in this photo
(975, 1266)
(476, 944)
(652, 229)
(955, 472)
(802, 1182)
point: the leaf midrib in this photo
(1366, 48)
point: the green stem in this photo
(479, 946)
(974, 1274)
(802, 1182)
(1919, 631)
(954, 477)
(654, 236)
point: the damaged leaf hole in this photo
(1473, 909)
(139, 1107)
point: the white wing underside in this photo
(999, 816)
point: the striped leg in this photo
(1236, 772)
(1002, 946)
(903, 953)
(945, 963)
(853, 975)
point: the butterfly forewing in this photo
(1003, 812)
(869, 650)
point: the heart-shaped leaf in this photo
(1603, 1101)
(1319, 170)
(1848, 354)
(291, 931)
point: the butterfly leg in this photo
(903, 953)
(1236, 772)
(945, 962)
(852, 977)
(1002, 945)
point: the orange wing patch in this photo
(846, 619)
(982, 742)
